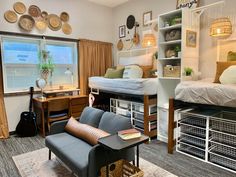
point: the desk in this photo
(77, 104)
(115, 143)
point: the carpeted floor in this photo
(36, 164)
(155, 152)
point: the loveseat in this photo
(84, 159)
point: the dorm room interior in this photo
(119, 88)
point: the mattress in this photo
(143, 86)
(206, 92)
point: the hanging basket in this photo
(45, 74)
(221, 27)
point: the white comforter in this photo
(147, 86)
(206, 92)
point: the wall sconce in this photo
(221, 27)
(149, 40)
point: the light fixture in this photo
(221, 27)
(149, 40)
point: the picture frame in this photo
(191, 4)
(191, 38)
(147, 16)
(122, 31)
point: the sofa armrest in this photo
(57, 127)
(100, 157)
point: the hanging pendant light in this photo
(221, 27)
(149, 40)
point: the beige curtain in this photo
(94, 58)
(4, 132)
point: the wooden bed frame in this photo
(104, 98)
(177, 104)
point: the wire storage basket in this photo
(224, 122)
(222, 161)
(192, 140)
(193, 120)
(226, 151)
(193, 131)
(192, 150)
(223, 138)
(122, 168)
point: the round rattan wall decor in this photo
(10, 16)
(54, 22)
(64, 17)
(34, 11)
(66, 28)
(19, 7)
(26, 23)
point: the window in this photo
(20, 61)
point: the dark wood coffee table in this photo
(115, 143)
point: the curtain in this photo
(4, 132)
(94, 58)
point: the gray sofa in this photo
(82, 158)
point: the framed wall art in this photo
(191, 38)
(122, 31)
(191, 4)
(147, 16)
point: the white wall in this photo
(208, 45)
(88, 21)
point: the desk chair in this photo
(58, 109)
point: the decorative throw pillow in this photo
(114, 73)
(86, 132)
(231, 56)
(132, 72)
(228, 76)
(220, 67)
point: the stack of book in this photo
(129, 134)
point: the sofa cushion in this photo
(91, 116)
(113, 123)
(86, 132)
(71, 150)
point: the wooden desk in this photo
(77, 104)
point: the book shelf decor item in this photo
(171, 71)
(129, 134)
(174, 34)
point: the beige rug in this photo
(36, 164)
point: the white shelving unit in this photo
(209, 136)
(142, 119)
(189, 58)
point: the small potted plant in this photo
(188, 73)
(46, 65)
(177, 51)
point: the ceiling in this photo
(109, 3)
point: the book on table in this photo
(129, 134)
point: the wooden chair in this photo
(58, 109)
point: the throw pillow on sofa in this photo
(86, 132)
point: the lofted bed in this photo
(135, 98)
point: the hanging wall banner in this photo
(191, 4)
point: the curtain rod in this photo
(37, 36)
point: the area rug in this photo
(36, 164)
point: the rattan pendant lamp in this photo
(221, 27)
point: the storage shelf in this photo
(171, 27)
(172, 58)
(170, 78)
(171, 42)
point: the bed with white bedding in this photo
(142, 86)
(206, 92)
